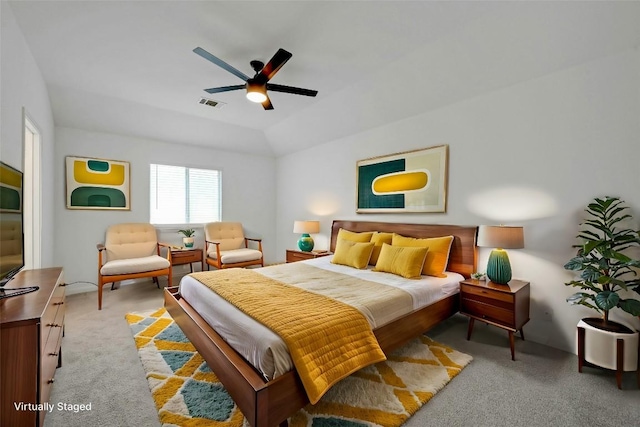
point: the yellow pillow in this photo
(352, 254)
(438, 255)
(403, 261)
(378, 239)
(353, 236)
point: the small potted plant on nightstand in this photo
(188, 239)
(608, 279)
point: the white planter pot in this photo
(600, 347)
(187, 242)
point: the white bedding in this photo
(262, 347)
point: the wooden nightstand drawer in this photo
(186, 256)
(297, 256)
(488, 312)
(487, 296)
(294, 256)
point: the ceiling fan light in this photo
(256, 92)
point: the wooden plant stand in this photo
(619, 356)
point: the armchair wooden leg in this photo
(100, 285)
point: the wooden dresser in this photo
(31, 330)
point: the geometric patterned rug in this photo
(187, 393)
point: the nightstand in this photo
(504, 306)
(187, 256)
(293, 255)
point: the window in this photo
(182, 195)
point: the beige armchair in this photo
(131, 251)
(226, 246)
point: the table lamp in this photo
(501, 238)
(305, 243)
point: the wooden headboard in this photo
(463, 257)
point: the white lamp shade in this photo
(505, 237)
(307, 227)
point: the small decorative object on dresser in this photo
(188, 239)
(479, 276)
(305, 243)
(504, 306)
(606, 268)
(501, 238)
(293, 255)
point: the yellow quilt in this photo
(327, 339)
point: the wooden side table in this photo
(504, 306)
(187, 256)
(294, 255)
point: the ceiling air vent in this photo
(212, 103)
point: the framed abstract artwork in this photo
(97, 184)
(413, 181)
(10, 190)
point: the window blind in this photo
(181, 195)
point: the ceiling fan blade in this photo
(275, 63)
(220, 63)
(291, 89)
(267, 105)
(225, 88)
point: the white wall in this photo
(541, 150)
(248, 195)
(22, 86)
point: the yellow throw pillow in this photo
(438, 255)
(378, 239)
(403, 261)
(352, 254)
(353, 236)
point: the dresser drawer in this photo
(53, 317)
(49, 363)
(487, 312)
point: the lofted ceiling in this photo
(127, 66)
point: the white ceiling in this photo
(128, 67)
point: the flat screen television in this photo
(11, 223)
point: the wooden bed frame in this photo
(271, 403)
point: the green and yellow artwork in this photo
(10, 189)
(97, 184)
(413, 181)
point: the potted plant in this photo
(187, 240)
(608, 279)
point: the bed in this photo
(269, 402)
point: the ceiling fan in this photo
(258, 85)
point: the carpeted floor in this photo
(541, 388)
(386, 394)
